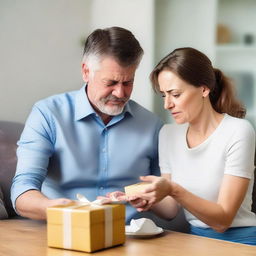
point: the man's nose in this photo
(119, 91)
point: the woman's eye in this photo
(176, 95)
(163, 95)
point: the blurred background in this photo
(41, 44)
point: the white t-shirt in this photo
(228, 150)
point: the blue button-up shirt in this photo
(66, 149)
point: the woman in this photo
(207, 160)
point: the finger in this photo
(108, 194)
(149, 178)
(101, 197)
(132, 198)
(149, 189)
(119, 193)
(148, 196)
(147, 207)
(152, 200)
(140, 204)
(122, 198)
(115, 194)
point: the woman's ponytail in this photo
(223, 97)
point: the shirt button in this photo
(101, 188)
(103, 150)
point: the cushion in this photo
(3, 212)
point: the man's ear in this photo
(205, 91)
(85, 72)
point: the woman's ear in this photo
(85, 72)
(205, 91)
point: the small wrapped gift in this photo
(136, 189)
(86, 226)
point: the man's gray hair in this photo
(115, 42)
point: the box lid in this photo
(83, 215)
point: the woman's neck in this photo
(201, 128)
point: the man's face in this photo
(109, 87)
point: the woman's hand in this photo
(139, 203)
(158, 189)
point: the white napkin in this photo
(142, 225)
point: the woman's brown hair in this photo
(195, 68)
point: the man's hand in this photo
(32, 204)
(116, 196)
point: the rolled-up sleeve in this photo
(35, 147)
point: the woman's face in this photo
(183, 100)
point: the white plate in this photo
(143, 234)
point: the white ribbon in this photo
(67, 227)
(108, 226)
(67, 221)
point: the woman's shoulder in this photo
(238, 125)
(173, 129)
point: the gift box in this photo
(85, 228)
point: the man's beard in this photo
(112, 110)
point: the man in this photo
(92, 141)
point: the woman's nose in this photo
(168, 103)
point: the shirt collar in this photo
(83, 107)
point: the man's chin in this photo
(114, 112)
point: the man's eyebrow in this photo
(127, 81)
(108, 80)
(116, 81)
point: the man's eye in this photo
(129, 83)
(163, 95)
(176, 95)
(111, 83)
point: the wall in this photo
(40, 51)
(137, 16)
(237, 57)
(41, 47)
(182, 23)
(41, 43)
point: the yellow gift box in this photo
(85, 227)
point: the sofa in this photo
(10, 133)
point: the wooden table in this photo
(20, 237)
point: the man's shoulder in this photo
(56, 101)
(141, 112)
